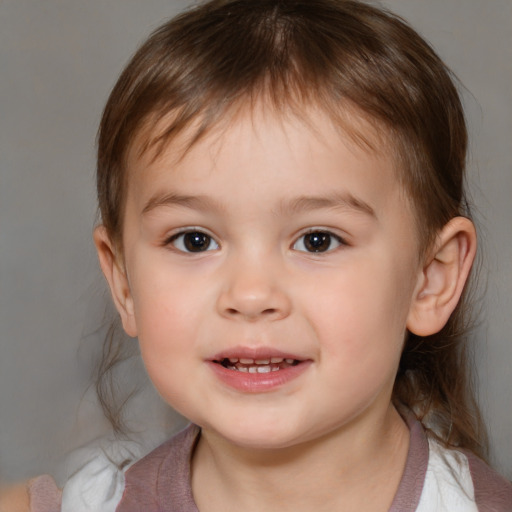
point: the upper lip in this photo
(256, 353)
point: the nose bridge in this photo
(254, 288)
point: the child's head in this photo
(320, 69)
(345, 57)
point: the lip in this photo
(255, 353)
(257, 382)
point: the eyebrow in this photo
(342, 201)
(200, 202)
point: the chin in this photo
(264, 435)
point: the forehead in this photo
(170, 136)
(300, 149)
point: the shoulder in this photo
(97, 484)
(107, 478)
(438, 479)
(493, 493)
(160, 482)
(459, 481)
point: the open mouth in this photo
(272, 364)
(257, 371)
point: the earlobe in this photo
(442, 278)
(116, 277)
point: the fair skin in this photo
(300, 244)
(270, 241)
(14, 498)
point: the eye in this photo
(317, 241)
(193, 241)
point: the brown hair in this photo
(339, 55)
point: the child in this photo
(284, 228)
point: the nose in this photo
(252, 291)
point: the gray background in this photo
(58, 61)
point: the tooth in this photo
(253, 369)
(263, 369)
(246, 361)
(262, 361)
(276, 360)
(243, 369)
(275, 368)
(289, 361)
(233, 359)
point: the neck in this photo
(364, 465)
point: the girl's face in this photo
(270, 272)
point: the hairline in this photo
(157, 131)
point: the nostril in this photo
(264, 312)
(251, 304)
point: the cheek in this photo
(163, 297)
(167, 334)
(171, 318)
(162, 316)
(362, 313)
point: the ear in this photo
(442, 279)
(115, 274)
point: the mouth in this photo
(263, 365)
(257, 370)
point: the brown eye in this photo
(317, 241)
(194, 241)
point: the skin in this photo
(14, 498)
(257, 189)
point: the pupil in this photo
(317, 242)
(196, 242)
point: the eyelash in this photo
(179, 239)
(302, 244)
(321, 236)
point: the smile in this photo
(257, 371)
(246, 365)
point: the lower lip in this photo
(258, 382)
